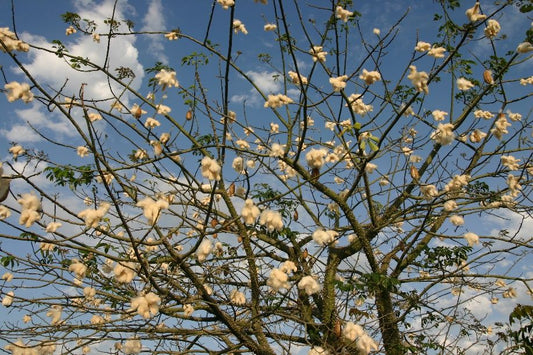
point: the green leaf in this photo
(131, 192)
(74, 176)
(71, 18)
(373, 146)
(526, 8)
(9, 260)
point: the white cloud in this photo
(154, 20)
(302, 65)
(33, 122)
(19, 186)
(293, 93)
(55, 73)
(267, 82)
(479, 305)
(517, 225)
(39, 119)
(248, 98)
(20, 134)
(50, 70)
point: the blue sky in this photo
(40, 22)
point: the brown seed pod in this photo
(305, 254)
(295, 216)
(315, 173)
(215, 236)
(487, 77)
(338, 328)
(188, 115)
(214, 223)
(414, 173)
(239, 239)
(4, 188)
(138, 112)
(476, 136)
(231, 189)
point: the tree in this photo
(341, 206)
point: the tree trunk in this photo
(388, 323)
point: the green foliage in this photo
(529, 34)
(211, 45)
(497, 64)
(450, 4)
(431, 319)
(114, 24)
(60, 48)
(522, 315)
(448, 30)
(158, 67)
(263, 192)
(152, 82)
(29, 236)
(195, 59)
(124, 72)
(9, 260)
(441, 257)
(404, 93)
(202, 141)
(78, 62)
(344, 287)
(481, 190)
(477, 188)
(375, 281)
(70, 175)
(71, 18)
(133, 157)
(462, 67)
(75, 20)
(371, 140)
(47, 257)
(525, 6)
(131, 192)
(264, 58)
(130, 25)
(286, 41)
(423, 343)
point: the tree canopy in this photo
(270, 177)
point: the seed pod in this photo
(476, 136)
(239, 239)
(402, 246)
(315, 173)
(295, 216)
(215, 236)
(305, 254)
(231, 189)
(4, 188)
(414, 173)
(188, 115)
(487, 77)
(138, 112)
(214, 223)
(337, 328)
